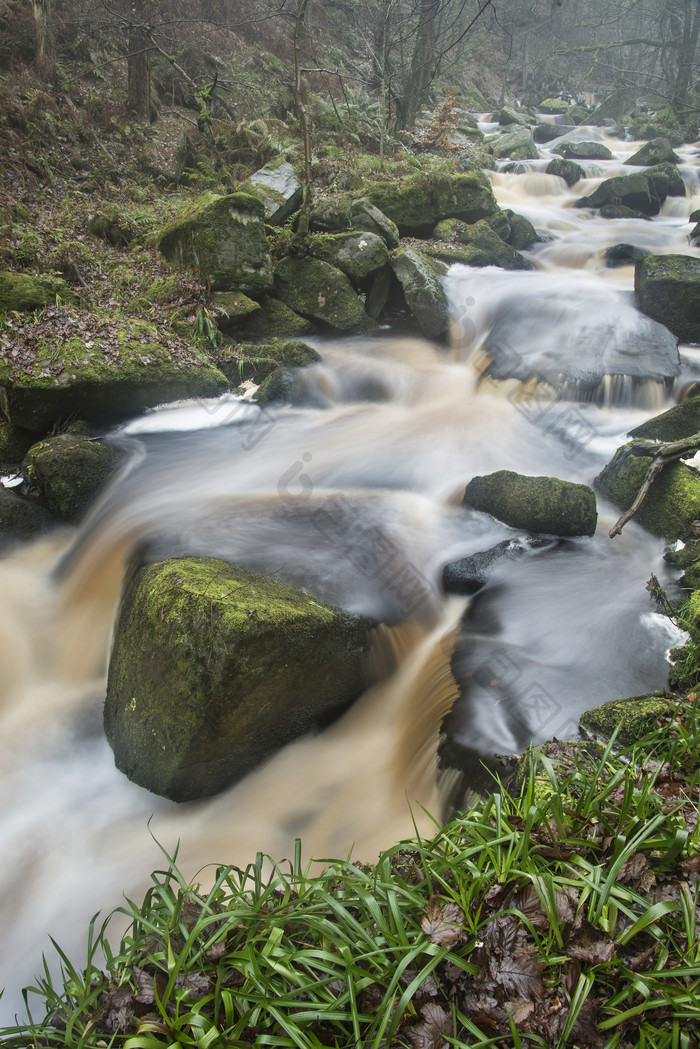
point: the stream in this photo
(353, 493)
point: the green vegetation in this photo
(557, 917)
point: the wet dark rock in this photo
(569, 170)
(66, 472)
(546, 132)
(641, 192)
(624, 254)
(21, 519)
(658, 151)
(583, 151)
(515, 145)
(215, 668)
(469, 574)
(522, 234)
(544, 505)
(423, 291)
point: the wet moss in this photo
(67, 472)
(671, 504)
(312, 287)
(417, 203)
(668, 290)
(632, 718)
(122, 370)
(214, 668)
(545, 505)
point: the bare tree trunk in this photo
(139, 62)
(422, 63)
(686, 54)
(45, 50)
(303, 117)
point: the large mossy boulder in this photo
(214, 669)
(316, 289)
(271, 320)
(223, 238)
(682, 420)
(417, 203)
(668, 290)
(422, 290)
(114, 370)
(658, 151)
(543, 505)
(66, 472)
(670, 506)
(644, 191)
(630, 719)
(474, 245)
(256, 361)
(553, 106)
(583, 151)
(358, 255)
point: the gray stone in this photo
(423, 291)
(658, 151)
(569, 170)
(668, 290)
(517, 145)
(279, 189)
(316, 289)
(358, 255)
(583, 151)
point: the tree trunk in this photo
(686, 54)
(139, 62)
(303, 118)
(45, 50)
(423, 63)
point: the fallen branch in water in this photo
(662, 453)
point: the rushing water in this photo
(547, 372)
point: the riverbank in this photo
(561, 913)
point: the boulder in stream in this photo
(515, 145)
(115, 369)
(569, 170)
(20, 519)
(583, 151)
(543, 505)
(67, 471)
(215, 668)
(668, 289)
(671, 505)
(658, 151)
(474, 245)
(644, 191)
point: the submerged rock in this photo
(469, 574)
(223, 239)
(545, 505)
(215, 668)
(672, 503)
(668, 289)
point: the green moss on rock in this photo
(224, 240)
(668, 290)
(475, 245)
(682, 420)
(316, 289)
(272, 320)
(215, 668)
(67, 472)
(633, 718)
(671, 504)
(358, 255)
(423, 291)
(124, 368)
(418, 202)
(545, 505)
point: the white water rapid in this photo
(547, 372)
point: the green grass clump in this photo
(565, 921)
